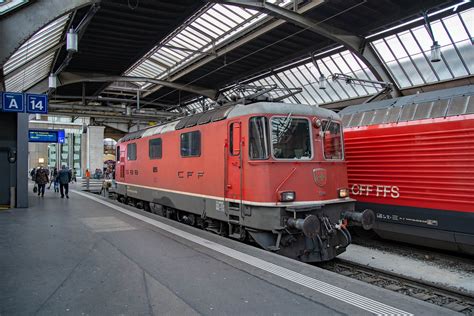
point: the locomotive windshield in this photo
(291, 138)
(332, 140)
(258, 148)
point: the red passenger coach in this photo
(412, 163)
(270, 173)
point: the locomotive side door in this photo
(233, 189)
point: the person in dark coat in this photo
(33, 174)
(64, 177)
(41, 179)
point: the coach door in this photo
(234, 165)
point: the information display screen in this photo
(46, 136)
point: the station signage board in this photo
(36, 103)
(46, 136)
(24, 102)
(13, 102)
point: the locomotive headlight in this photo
(287, 196)
(343, 193)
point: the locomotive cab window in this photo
(258, 138)
(291, 138)
(155, 148)
(191, 144)
(132, 151)
(117, 153)
(332, 140)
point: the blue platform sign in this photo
(37, 103)
(61, 137)
(12, 102)
(46, 136)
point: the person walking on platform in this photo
(54, 180)
(64, 177)
(41, 179)
(74, 176)
(88, 177)
(33, 174)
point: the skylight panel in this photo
(440, 34)
(40, 42)
(218, 22)
(457, 32)
(29, 76)
(406, 54)
(467, 18)
(202, 34)
(186, 42)
(194, 36)
(222, 19)
(173, 54)
(209, 28)
(227, 12)
(11, 5)
(215, 24)
(396, 47)
(165, 59)
(198, 36)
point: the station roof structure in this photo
(180, 56)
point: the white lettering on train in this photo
(375, 190)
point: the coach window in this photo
(132, 151)
(191, 144)
(332, 140)
(258, 138)
(155, 148)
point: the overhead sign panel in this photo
(21, 102)
(46, 136)
(13, 102)
(37, 103)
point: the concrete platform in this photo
(91, 256)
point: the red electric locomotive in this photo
(411, 160)
(267, 172)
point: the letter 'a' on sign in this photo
(37, 103)
(13, 102)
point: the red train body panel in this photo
(250, 159)
(424, 164)
(417, 175)
(205, 175)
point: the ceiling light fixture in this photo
(52, 81)
(72, 41)
(322, 79)
(435, 55)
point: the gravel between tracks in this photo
(441, 278)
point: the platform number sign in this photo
(37, 103)
(13, 102)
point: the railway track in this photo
(447, 298)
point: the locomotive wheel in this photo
(146, 207)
